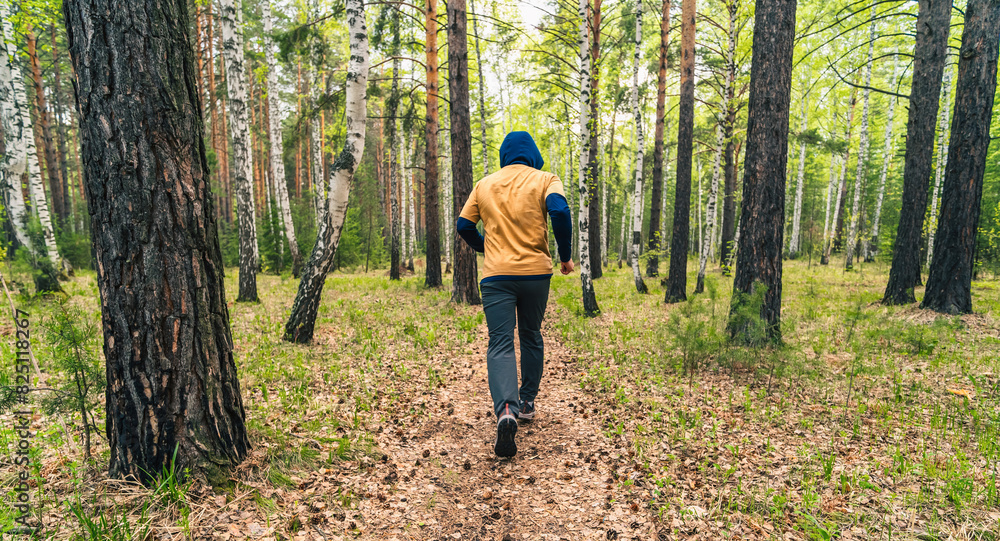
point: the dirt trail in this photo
(442, 481)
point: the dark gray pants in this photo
(503, 300)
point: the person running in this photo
(512, 204)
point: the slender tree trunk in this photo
(677, 277)
(14, 161)
(861, 173)
(793, 245)
(759, 254)
(277, 148)
(411, 244)
(448, 186)
(837, 223)
(831, 186)
(392, 124)
(933, 22)
(590, 307)
(871, 249)
(482, 90)
(465, 286)
(637, 198)
(67, 210)
(942, 162)
(949, 284)
(653, 261)
(713, 193)
(45, 124)
(603, 179)
(433, 276)
(302, 321)
(225, 171)
(594, 241)
(232, 32)
(316, 147)
(172, 386)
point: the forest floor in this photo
(869, 423)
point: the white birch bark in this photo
(13, 163)
(871, 246)
(859, 177)
(713, 192)
(942, 163)
(604, 204)
(793, 245)
(277, 146)
(663, 195)
(232, 52)
(829, 198)
(698, 234)
(637, 198)
(627, 210)
(411, 229)
(24, 154)
(303, 317)
(449, 221)
(586, 281)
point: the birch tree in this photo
(859, 176)
(708, 235)
(637, 198)
(793, 244)
(232, 51)
(590, 307)
(277, 146)
(302, 321)
(871, 246)
(15, 158)
(942, 163)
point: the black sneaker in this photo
(505, 445)
(527, 411)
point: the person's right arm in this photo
(466, 224)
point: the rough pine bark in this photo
(433, 243)
(677, 277)
(277, 148)
(232, 49)
(759, 252)
(871, 247)
(655, 211)
(590, 307)
(465, 288)
(942, 163)
(302, 321)
(949, 283)
(860, 174)
(14, 161)
(637, 198)
(933, 22)
(172, 381)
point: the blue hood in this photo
(519, 147)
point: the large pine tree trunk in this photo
(277, 148)
(861, 172)
(590, 307)
(759, 252)
(933, 22)
(677, 277)
(232, 49)
(465, 288)
(637, 198)
(597, 271)
(871, 247)
(949, 283)
(433, 276)
(655, 211)
(302, 321)
(14, 160)
(172, 381)
(942, 162)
